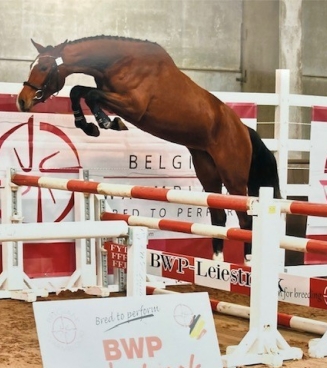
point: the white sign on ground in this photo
(159, 331)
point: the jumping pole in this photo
(214, 231)
(214, 200)
(243, 311)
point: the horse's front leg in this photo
(91, 97)
(76, 93)
(93, 100)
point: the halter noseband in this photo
(39, 94)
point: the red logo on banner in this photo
(33, 158)
(318, 293)
(117, 255)
(240, 279)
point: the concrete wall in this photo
(314, 55)
(285, 34)
(264, 24)
(203, 36)
(260, 56)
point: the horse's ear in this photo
(39, 47)
(61, 46)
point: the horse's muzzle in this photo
(22, 105)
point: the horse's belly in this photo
(187, 135)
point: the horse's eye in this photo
(43, 68)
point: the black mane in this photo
(117, 38)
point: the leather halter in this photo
(39, 94)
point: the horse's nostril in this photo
(21, 105)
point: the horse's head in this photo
(46, 77)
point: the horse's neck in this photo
(89, 58)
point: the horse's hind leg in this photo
(206, 172)
(245, 222)
(234, 171)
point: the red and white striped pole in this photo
(213, 231)
(214, 200)
(187, 197)
(233, 202)
(236, 310)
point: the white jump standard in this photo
(89, 235)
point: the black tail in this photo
(263, 171)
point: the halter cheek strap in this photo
(38, 93)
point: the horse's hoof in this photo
(92, 130)
(118, 124)
(218, 257)
(248, 259)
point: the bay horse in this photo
(138, 81)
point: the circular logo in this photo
(41, 147)
(64, 330)
(183, 315)
(325, 295)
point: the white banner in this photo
(174, 330)
(49, 144)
